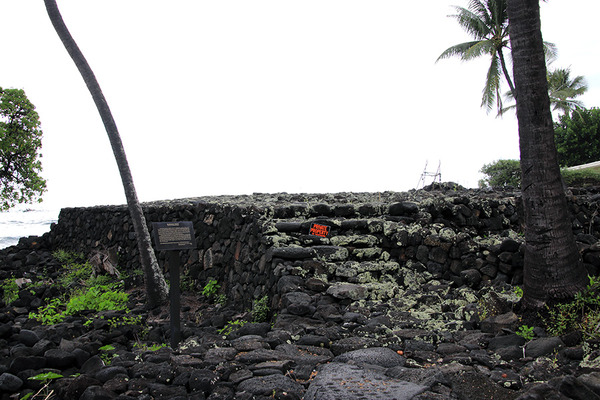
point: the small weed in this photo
(10, 290)
(221, 299)
(152, 347)
(187, 283)
(260, 309)
(518, 291)
(582, 313)
(526, 332)
(231, 326)
(68, 257)
(125, 320)
(107, 354)
(211, 288)
(45, 392)
(97, 298)
(50, 314)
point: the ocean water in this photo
(18, 223)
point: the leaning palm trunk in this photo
(156, 287)
(553, 269)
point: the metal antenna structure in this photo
(437, 175)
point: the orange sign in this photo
(319, 230)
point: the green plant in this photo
(231, 326)
(10, 290)
(501, 173)
(526, 332)
(50, 314)
(582, 313)
(20, 146)
(260, 309)
(518, 291)
(97, 298)
(187, 283)
(581, 177)
(577, 137)
(152, 347)
(106, 353)
(211, 288)
(116, 322)
(44, 391)
(75, 273)
(221, 299)
(68, 257)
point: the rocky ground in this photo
(436, 342)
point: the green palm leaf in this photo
(487, 22)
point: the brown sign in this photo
(319, 230)
(174, 235)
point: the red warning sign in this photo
(319, 230)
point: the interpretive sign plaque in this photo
(174, 235)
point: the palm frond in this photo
(471, 23)
(503, 110)
(550, 52)
(457, 51)
(483, 47)
(491, 90)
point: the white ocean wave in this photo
(18, 223)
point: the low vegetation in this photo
(507, 173)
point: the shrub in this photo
(581, 177)
(501, 173)
(577, 137)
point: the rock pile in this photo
(436, 341)
(410, 296)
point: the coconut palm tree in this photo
(553, 269)
(487, 22)
(562, 91)
(156, 287)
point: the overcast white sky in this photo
(242, 96)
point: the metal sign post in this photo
(174, 237)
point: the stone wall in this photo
(260, 244)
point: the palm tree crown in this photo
(561, 89)
(487, 22)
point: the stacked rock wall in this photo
(256, 245)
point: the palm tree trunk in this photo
(156, 287)
(553, 269)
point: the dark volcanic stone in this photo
(22, 363)
(350, 382)
(202, 380)
(475, 386)
(10, 383)
(97, 393)
(403, 208)
(59, 359)
(542, 346)
(78, 385)
(382, 356)
(92, 365)
(28, 338)
(297, 303)
(265, 385)
(107, 373)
